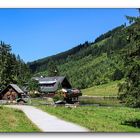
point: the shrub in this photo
(58, 96)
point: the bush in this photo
(58, 96)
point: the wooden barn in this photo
(12, 92)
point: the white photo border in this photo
(70, 4)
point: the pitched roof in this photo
(15, 87)
(56, 80)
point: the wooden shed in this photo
(11, 92)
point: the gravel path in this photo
(47, 122)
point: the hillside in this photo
(109, 89)
(90, 64)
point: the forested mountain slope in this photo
(92, 63)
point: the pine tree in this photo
(12, 68)
(129, 92)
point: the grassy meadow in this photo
(100, 119)
(109, 89)
(13, 120)
(101, 101)
(105, 94)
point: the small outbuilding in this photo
(11, 92)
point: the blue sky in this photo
(37, 33)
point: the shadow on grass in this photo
(133, 123)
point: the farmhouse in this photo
(52, 84)
(49, 86)
(12, 92)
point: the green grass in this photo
(102, 101)
(38, 101)
(99, 119)
(13, 120)
(110, 89)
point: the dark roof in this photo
(15, 87)
(56, 80)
